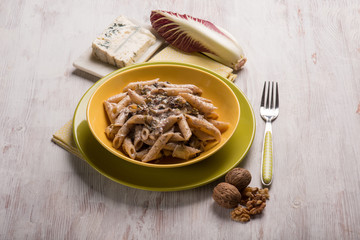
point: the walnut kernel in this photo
(254, 199)
(240, 214)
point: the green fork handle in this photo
(267, 157)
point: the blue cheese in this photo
(122, 43)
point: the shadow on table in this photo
(121, 194)
(144, 199)
(85, 75)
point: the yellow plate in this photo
(214, 88)
(160, 179)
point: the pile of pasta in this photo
(151, 119)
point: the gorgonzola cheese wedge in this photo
(122, 43)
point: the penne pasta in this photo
(135, 85)
(157, 147)
(121, 118)
(184, 128)
(151, 119)
(170, 146)
(149, 141)
(126, 128)
(194, 89)
(116, 98)
(139, 119)
(169, 122)
(139, 155)
(110, 109)
(111, 131)
(222, 126)
(176, 137)
(184, 152)
(129, 148)
(211, 115)
(136, 98)
(122, 104)
(170, 91)
(204, 126)
(202, 135)
(197, 103)
(145, 133)
(137, 137)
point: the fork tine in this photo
(268, 93)
(263, 96)
(277, 96)
(272, 95)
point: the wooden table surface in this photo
(312, 48)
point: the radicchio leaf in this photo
(191, 34)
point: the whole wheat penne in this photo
(184, 152)
(170, 91)
(211, 115)
(135, 85)
(176, 137)
(169, 122)
(204, 126)
(121, 118)
(194, 89)
(156, 148)
(202, 106)
(116, 98)
(129, 148)
(151, 119)
(149, 141)
(110, 109)
(126, 128)
(137, 137)
(136, 98)
(140, 154)
(202, 135)
(222, 126)
(145, 132)
(111, 131)
(184, 128)
(123, 103)
(170, 146)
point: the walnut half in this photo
(254, 199)
(240, 214)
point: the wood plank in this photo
(310, 47)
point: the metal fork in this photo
(269, 111)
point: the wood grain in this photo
(312, 48)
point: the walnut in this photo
(226, 195)
(265, 192)
(247, 194)
(239, 177)
(255, 206)
(240, 214)
(254, 199)
(235, 193)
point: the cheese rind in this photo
(122, 43)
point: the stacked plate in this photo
(206, 168)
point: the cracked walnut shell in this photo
(226, 195)
(239, 177)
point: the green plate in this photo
(165, 179)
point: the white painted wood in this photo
(311, 47)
